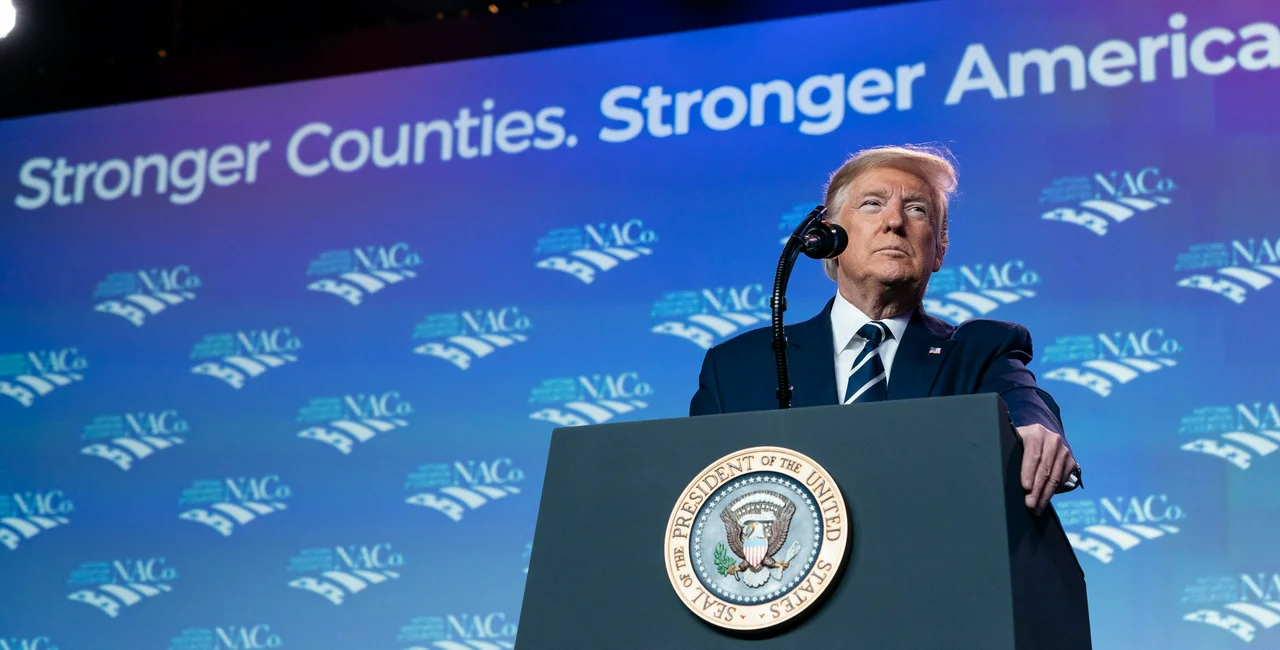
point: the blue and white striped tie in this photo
(867, 382)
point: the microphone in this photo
(824, 240)
(818, 239)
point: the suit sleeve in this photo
(1008, 376)
(707, 400)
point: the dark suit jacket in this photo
(979, 356)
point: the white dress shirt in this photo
(846, 320)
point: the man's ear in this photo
(942, 244)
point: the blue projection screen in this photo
(278, 367)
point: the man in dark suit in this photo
(873, 341)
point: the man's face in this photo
(889, 215)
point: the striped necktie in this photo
(867, 382)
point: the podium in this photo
(944, 552)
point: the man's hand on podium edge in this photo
(1047, 462)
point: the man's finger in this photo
(1059, 474)
(1031, 449)
(1068, 466)
(1043, 469)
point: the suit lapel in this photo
(924, 346)
(811, 361)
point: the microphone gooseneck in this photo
(818, 239)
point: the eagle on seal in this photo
(756, 526)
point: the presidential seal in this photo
(756, 538)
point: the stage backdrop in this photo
(278, 367)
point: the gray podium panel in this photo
(944, 553)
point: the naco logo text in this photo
(343, 422)
(1246, 605)
(790, 220)
(1100, 362)
(463, 337)
(353, 274)
(26, 376)
(1104, 199)
(228, 637)
(24, 515)
(1234, 270)
(957, 294)
(454, 489)
(339, 572)
(226, 505)
(27, 643)
(708, 316)
(117, 585)
(237, 358)
(1238, 434)
(137, 295)
(594, 248)
(1103, 527)
(489, 631)
(123, 439)
(589, 399)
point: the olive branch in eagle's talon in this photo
(725, 565)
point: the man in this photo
(874, 341)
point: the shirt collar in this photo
(846, 320)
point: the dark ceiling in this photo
(68, 54)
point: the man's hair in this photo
(933, 163)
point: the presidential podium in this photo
(944, 553)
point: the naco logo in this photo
(25, 376)
(490, 631)
(584, 251)
(1105, 199)
(26, 514)
(239, 357)
(233, 502)
(358, 272)
(1101, 528)
(463, 337)
(790, 220)
(228, 637)
(342, 571)
(113, 586)
(27, 643)
(589, 399)
(957, 294)
(1243, 267)
(137, 295)
(709, 316)
(1101, 361)
(1244, 432)
(343, 422)
(465, 485)
(1243, 605)
(124, 439)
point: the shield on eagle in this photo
(755, 549)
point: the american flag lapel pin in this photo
(935, 350)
